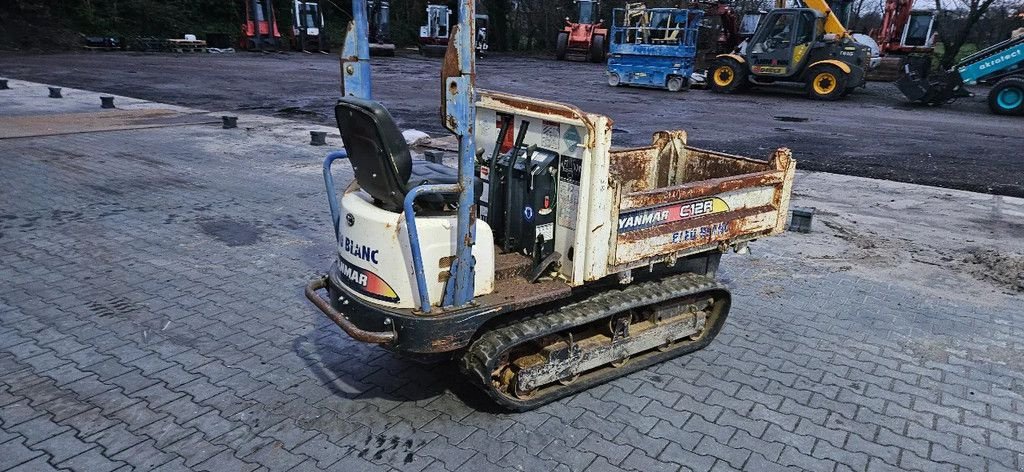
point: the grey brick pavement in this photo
(153, 319)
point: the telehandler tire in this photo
(1007, 97)
(826, 82)
(597, 48)
(727, 75)
(562, 46)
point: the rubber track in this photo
(480, 359)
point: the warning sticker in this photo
(549, 136)
(570, 170)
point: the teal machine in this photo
(1001, 64)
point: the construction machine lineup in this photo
(803, 42)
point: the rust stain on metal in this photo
(702, 188)
(445, 343)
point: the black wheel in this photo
(562, 46)
(676, 83)
(614, 80)
(727, 75)
(597, 49)
(1007, 97)
(826, 82)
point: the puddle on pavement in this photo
(231, 232)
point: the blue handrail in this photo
(414, 237)
(332, 195)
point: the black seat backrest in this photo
(378, 152)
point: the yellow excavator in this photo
(807, 45)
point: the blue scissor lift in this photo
(653, 47)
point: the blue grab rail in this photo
(332, 195)
(410, 221)
(414, 236)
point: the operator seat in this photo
(380, 157)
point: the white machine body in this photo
(376, 256)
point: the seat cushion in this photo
(429, 173)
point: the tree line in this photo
(519, 25)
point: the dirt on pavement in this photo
(873, 133)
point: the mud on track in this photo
(872, 134)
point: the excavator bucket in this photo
(919, 85)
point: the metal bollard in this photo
(229, 121)
(318, 138)
(55, 92)
(802, 219)
(3, 85)
(437, 157)
(107, 102)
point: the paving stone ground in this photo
(152, 318)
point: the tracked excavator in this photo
(547, 262)
(807, 45)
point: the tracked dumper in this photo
(549, 262)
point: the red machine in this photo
(585, 38)
(259, 32)
(719, 31)
(904, 31)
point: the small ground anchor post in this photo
(107, 102)
(318, 138)
(55, 92)
(3, 85)
(229, 122)
(801, 221)
(437, 157)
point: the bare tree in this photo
(968, 13)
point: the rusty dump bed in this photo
(675, 200)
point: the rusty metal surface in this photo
(745, 199)
(702, 188)
(112, 120)
(374, 337)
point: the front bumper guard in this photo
(357, 333)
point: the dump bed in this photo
(675, 200)
(616, 210)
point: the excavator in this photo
(1001, 64)
(380, 28)
(548, 261)
(434, 35)
(259, 31)
(807, 45)
(904, 32)
(308, 32)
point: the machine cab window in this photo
(588, 12)
(777, 34)
(784, 30)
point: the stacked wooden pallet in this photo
(186, 45)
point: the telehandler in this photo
(804, 45)
(547, 262)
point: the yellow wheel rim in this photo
(723, 76)
(825, 83)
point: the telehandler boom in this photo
(548, 262)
